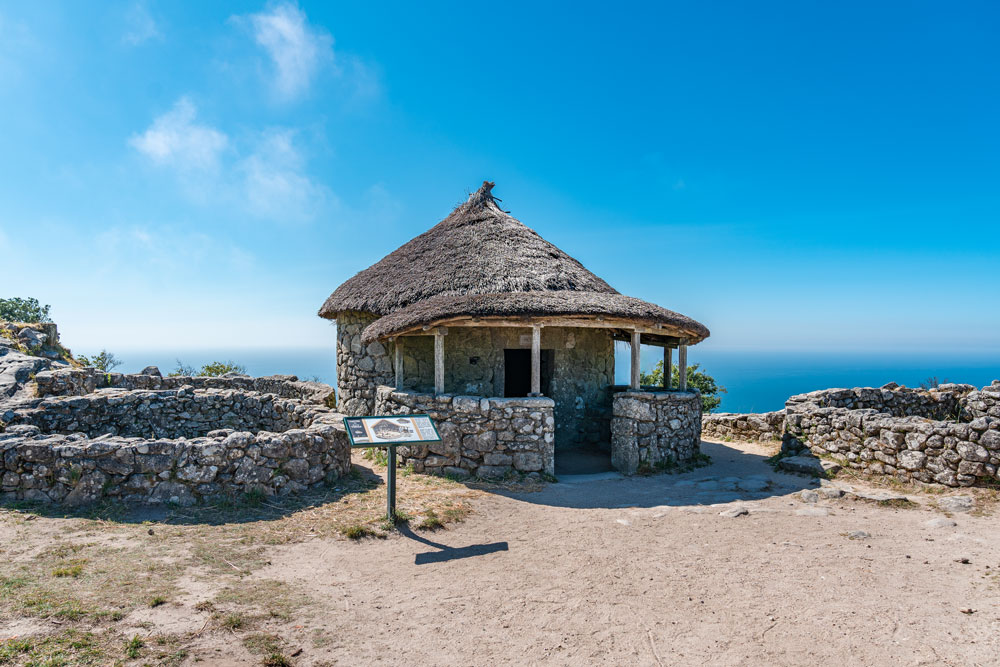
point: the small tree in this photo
(696, 379)
(28, 311)
(105, 361)
(217, 368)
(214, 369)
(932, 382)
(182, 370)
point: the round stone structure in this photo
(143, 438)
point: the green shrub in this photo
(105, 361)
(696, 379)
(23, 310)
(212, 370)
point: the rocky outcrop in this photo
(16, 371)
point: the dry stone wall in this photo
(748, 427)
(74, 469)
(923, 447)
(482, 437)
(166, 413)
(77, 444)
(81, 381)
(651, 429)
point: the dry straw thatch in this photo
(482, 262)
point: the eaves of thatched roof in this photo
(560, 306)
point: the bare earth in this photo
(640, 571)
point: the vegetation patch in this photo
(70, 647)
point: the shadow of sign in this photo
(447, 553)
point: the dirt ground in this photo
(729, 564)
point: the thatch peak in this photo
(483, 197)
(477, 249)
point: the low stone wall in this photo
(82, 381)
(746, 427)
(921, 447)
(74, 469)
(482, 437)
(983, 403)
(168, 413)
(149, 439)
(654, 428)
(943, 402)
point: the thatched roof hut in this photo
(524, 322)
(482, 265)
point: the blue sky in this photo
(795, 175)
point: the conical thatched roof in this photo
(480, 261)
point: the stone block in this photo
(481, 442)
(911, 459)
(528, 461)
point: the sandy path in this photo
(645, 571)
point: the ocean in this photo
(756, 381)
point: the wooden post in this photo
(635, 360)
(438, 362)
(682, 365)
(668, 353)
(536, 360)
(399, 364)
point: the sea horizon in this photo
(755, 380)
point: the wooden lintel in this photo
(555, 321)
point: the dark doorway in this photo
(517, 372)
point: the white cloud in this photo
(275, 185)
(175, 139)
(140, 26)
(297, 50)
(265, 175)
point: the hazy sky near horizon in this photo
(793, 174)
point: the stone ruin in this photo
(75, 436)
(947, 435)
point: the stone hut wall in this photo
(763, 427)
(360, 368)
(583, 372)
(483, 437)
(74, 469)
(654, 428)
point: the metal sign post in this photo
(390, 485)
(389, 431)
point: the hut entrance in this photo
(517, 372)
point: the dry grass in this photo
(81, 577)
